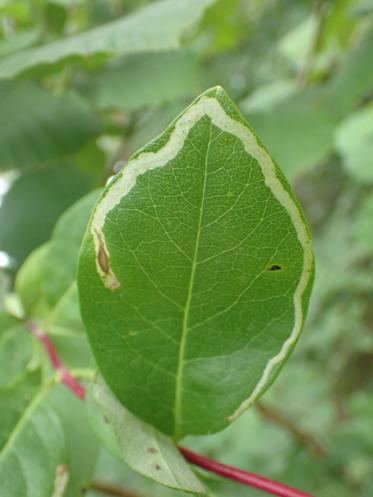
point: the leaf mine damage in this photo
(110, 280)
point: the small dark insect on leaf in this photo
(275, 267)
(152, 450)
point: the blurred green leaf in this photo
(159, 26)
(354, 79)
(297, 43)
(18, 41)
(67, 3)
(65, 327)
(265, 97)
(29, 282)
(126, 86)
(46, 284)
(298, 130)
(224, 24)
(60, 264)
(16, 351)
(32, 446)
(38, 126)
(354, 141)
(80, 441)
(364, 231)
(32, 205)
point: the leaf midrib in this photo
(26, 415)
(179, 372)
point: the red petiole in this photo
(230, 472)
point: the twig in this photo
(55, 361)
(114, 490)
(236, 474)
(304, 439)
(221, 469)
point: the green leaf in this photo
(298, 130)
(81, 443)
(65, 327)
(32, 447)
(60, 263)
(48, 274)
(47, 288)
(46, 444)
(143, 448)
(67, 3)
(29, 283)
(364, 232)
(157, 27)
(268, 96)
(16, 351)
(173, 74)
(354, 141)
(195, 272)
(354, 80)
(33, 204)
(38, 126)
(297, 43)
(4, 289)
(18, 41)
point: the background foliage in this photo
(84, 83)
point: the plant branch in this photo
(241, 476)
(230, 472)
(304, 439)
(65, 376)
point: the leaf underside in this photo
(195, 272)
(139, 445)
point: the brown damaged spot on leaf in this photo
(103, 259)
(152, 450)
(60, 482)
(109, 278)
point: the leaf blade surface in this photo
(195, 272)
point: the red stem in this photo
(66, 377)
(236, 474)
(245, 477)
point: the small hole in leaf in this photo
(275, 267)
